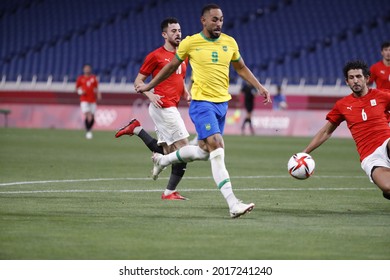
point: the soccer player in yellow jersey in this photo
(210, 53)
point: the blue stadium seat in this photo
(277, 38)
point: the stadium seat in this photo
(278, 39)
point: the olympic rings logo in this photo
(105, 117)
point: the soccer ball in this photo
(301, 166)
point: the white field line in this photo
(161, 178)
(186, 190)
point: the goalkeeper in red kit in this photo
(364, 110)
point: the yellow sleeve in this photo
(183, 49)
(236, 55)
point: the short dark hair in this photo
(356, 64)
(385, 45)
(166, 22)
(209, 7)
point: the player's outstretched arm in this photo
(186, 94)
(322, 135)
(248, 76)
(79, 89)
(161, 76)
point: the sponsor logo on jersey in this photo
(349, 108)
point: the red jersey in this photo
(89, 86)
(380, 74)
(173, 87)
(366, 119)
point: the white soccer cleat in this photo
(240, 209)
(89, 135)
(157, 168)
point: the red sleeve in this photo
(149, 65)
(372, 74)
(78, 82)
(335, 116)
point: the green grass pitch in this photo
(65, 197)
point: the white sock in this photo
(221, 176)
(168, 192)
(137, 129)
(185, 154)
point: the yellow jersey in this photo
(210, 61)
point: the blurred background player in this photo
(380, 71)
(249, 93)
(279, 101)
(210, 53)
(87, 88)
(364, 111)
(170, 129)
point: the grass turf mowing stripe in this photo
(185, 190)
(162, 178)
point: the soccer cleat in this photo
(89, 135)
(128, 129)
(386, 195)
(157, 168)
(173, 196)
(240, 209)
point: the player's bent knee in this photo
(214, 142)
(177, 145)
(182, 143)
(381, 177)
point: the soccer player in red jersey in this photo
(364, 111)
(380, 71)
(87, 88)
(170, 128)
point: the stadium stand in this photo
(296, 40)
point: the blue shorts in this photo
(208, 117)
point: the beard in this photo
(357, 89)
(214, 33)
(175, 42)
